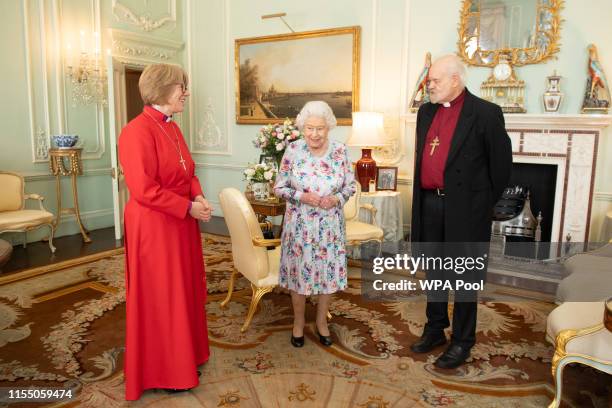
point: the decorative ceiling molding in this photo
(144, 47)
(123, 13)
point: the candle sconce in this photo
(87, 76)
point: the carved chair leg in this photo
(25, 238)
(230, 289)
(51, 238)
(257, 295)
(558, 381)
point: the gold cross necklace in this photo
(434, 143)
(178, 146)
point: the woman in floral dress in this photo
(316, 179)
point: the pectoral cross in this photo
(434, 143)
(182, 161)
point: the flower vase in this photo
(260, 190)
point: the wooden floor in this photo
(72, 246)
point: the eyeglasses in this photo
(184, 87)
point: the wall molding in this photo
(144, 21)
(40, 176)
(40, 134)
(233, 167)
(603, 196)
(203, 128)
(143, 47)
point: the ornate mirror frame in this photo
(548, 23)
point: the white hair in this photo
(316, 108)
(454, 66)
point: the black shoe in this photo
(453, 357)
(176, 390)
(297, 341)
(198, 373)
(325, 340)
(428, 342)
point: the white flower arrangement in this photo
(260, 173)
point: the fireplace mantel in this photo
(549, 121)
(568, 141)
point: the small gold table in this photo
(67, 162)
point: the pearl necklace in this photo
(177, 147)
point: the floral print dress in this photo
(313, 255)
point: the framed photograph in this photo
(386, 178)
(267, 159)
(277, 74)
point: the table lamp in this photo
(367, 133)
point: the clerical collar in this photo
(455, 101)
(166, 118)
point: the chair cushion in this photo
(11, 186)
(274, 264)
(21, 219)
(361, 231)
(585, 286)
(573, 315)
(597, 345)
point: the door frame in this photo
(117, 111)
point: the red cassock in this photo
(166, 332)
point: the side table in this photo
(264, 209)
(67, 162)
(389, 215)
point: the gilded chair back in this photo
(249, 260)
(351, 207)
(11, 185)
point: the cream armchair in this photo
(249, 249)
(358, 232)
(580, 336)
(14, 217)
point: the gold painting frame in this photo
(548, 23)
(245, 109)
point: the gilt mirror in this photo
(527, 31)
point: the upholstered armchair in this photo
(14, 217)
(579, 335)
(251, 257)
(358, 232)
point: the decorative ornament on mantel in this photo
(504, 88)
(597, 93)
(420, 95)
(553, 96)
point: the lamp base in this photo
(366, 169)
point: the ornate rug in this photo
(66, 329)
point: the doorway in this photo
(133, 101)
(125, 104)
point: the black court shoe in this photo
(325, 340)
(297, 341)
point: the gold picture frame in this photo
(544, 42)
(273, 81)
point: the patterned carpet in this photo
(66, 329)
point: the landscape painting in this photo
(277, 75)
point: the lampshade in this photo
(367, 130)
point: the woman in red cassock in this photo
(166, 332)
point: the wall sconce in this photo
(87, 75)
